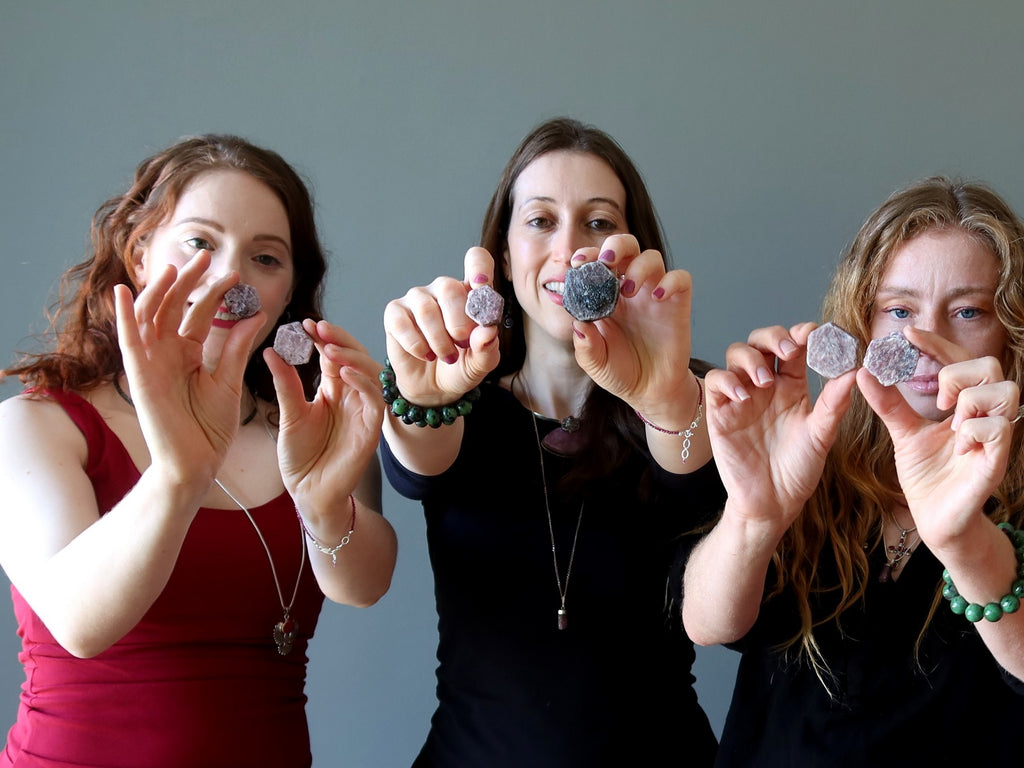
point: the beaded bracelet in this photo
(1008, 603)
(332, 551)
(422, 416)
(687, 433)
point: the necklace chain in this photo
(563, 616)
(897, 552)
(285, 630)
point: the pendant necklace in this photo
(563, 616)
(284, 631)
(897, 553)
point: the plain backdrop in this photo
(766, 131)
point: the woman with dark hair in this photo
(850, 519)
(152, 472)
(554, 513)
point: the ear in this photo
(506, 264)
(138, 266)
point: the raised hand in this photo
(641, 352)
(770, 441)
(188, 413)
(324, 445)
(439, 353)
(948, 469)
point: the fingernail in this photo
(452, 358)
(608, 255)
(579, 333)
(627, 286)
(481, 278)
(787, 347)
(741, 394)
(764, 376)
(658, 292)
(462, 344)
(576, 258)
(431, 357)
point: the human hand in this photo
(641, 352)
(188, 413)
(769, 440)
(324, 445)
(948, 469)
(439, 353)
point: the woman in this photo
(826, 568)
(153, 470)
(553, 513)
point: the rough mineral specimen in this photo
(241, 300)
(484, 305)
(293, 344)
(831, 351)
(891, 359)
(591, 291)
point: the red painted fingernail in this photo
(608, 255)
(481, 278)
(579, 333)
(658, 292)
(452, 358)
(431, 357)
(627, 286)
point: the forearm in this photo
(725, 577)
(983, 566)
(93, 590)
(423, 450)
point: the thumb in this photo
(899, 418)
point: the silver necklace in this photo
(897, 552)
(284, 631)
(563, 616)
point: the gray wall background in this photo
(766, 131)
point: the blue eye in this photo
(199, 244)
(968, 313)
(900, 313)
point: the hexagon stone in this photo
(831, 351)
(242, 300)
(891, 359)
(484, 305)
(293, 344)
(591, 291)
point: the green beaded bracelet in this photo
(1008, 603)
(421, 416)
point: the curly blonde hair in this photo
(844, 515)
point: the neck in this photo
(553, 390)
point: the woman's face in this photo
(243, 225)
(561, 202)
(943, 281)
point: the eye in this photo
(539, 222)
(602, 225)
(267, 260)
(968, 313)
(199, 244)
(900, 313)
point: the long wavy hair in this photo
(603, 449)
(82, 337)
(844, 516)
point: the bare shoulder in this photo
(31, 423)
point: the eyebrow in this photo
(589, 201)
(899, 290)
(214, 225)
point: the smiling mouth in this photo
(224, 319)
(555, 287)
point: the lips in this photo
(224, 319)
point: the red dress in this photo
(199, 681)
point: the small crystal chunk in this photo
(591, 291)
(242, 300)
(293, 344)
(891, 359)
(484, 305)
(831, 351)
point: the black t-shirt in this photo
(615, 687)
(953, 702)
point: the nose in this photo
(564, 245)
(224, 260)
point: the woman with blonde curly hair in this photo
(851, 517)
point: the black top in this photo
(954, 702)
(614, 687)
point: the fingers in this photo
(932, 344)
(955, 378)
(479, 267)
(430, 322)
(767, 351)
